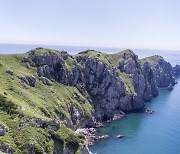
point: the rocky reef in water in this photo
(55, 93)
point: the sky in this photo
(153, 24)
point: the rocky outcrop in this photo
(163, 72)
(151, 88)
(11, 72)
(142, 75)
(52, 65)
(3, 130)
(128, 62)
(29, 80)
(5, 149)
(120, 136)
(105, 88)
(176, 70)
(46, 81)
(149, 111)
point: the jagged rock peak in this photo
(88, 50)
(129, 62)
(44, 51)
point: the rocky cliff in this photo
(53, 94)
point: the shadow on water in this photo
(132, 121)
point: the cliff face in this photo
(163, 71)
(103, 81)
(53, 94)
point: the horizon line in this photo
(96, 46)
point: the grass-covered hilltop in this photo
(46, 95)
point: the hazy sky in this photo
(114, 23)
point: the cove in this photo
(158, 133)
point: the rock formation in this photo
(176, 70)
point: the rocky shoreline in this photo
(90, 133)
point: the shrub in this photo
(7, 105)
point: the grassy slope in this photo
(46, 99)
(152, 59)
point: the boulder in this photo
(5, 93)
(27, 65)
(3, 130)
(103, 136)
(46, 81)
(120, 136)
(33, 104)
(118, 116)
(25, 60)
(99, 124)
(149, 111)
(11, 72)
(29, 80)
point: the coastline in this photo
(93, 88)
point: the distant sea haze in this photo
(171, 56)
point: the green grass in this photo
(49, 103)
(69, 63)
(41, 51)
(152, 59)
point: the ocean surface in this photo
(171, 56)
(158, 133)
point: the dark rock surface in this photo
(176, 70)
(11, 72)
(3, 130)
(129, 62)
(46, 81)
(163, 72)
(149, 111)
(120, 136)
(29, 80)
(6, 149)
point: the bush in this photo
(7, 106)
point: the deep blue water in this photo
(158, 133)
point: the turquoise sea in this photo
(158, 133)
